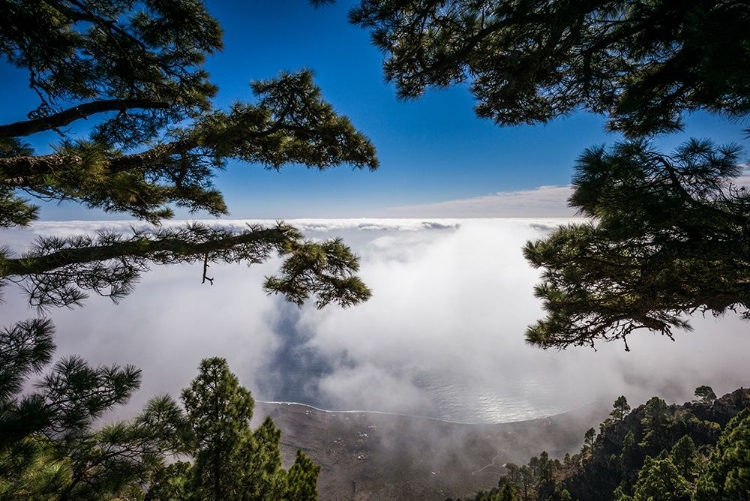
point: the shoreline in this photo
(587, 405)
(370, 455)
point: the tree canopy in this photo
(232, 461)
(155, 143)
(51, 449)
(48, 447)
(526, 61)
(670, 236)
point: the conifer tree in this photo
(589, 440)
(219, 411)
(303, 479)
(265, 479)
(526, 482)
(641, 62)
(620, 408)
(230, 461)
(655, 424)
(49, 448)
(507, 492)
(659, 479)
(727, 475)
(669, 239)
(629, 458)
(705, 393)
(155, 143)
(684, 456)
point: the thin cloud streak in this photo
(544, 201)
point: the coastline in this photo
(433, 418)
(381, 456)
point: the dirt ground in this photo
(374, 457)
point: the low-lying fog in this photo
(442, 335)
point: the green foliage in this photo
(25, 348)
(655, 424)
(155, 143)
(230, 460)
(620, 408)
(219, 411)
(589, 441)
(705, 393)
(659, 479)
(629, 456)
(303, 479)
(665, 466)
(684, 456)
(48, 447)
(507, 492)
(642, 62)
(171, 483)
(669, 239)
(727, 475)
(61, 271)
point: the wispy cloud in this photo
(544, 201)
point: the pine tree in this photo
(303, 479)
(727, 475)
(49, 448)
(684, 456)
(507, 492)
(265, 479)
(230, 461)
(655, 424)
(155, 143)
(642, 63)
(589, 441)
(526, 479)
(629, 458)
(659, 479)
(668, 239)
(705, 393)
(620, 408)
(219, 411)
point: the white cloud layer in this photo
(442, 335)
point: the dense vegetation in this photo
(697, 451)
(202, 450)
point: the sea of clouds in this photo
(442, 335)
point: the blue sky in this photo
(434, 153)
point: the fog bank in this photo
(441, 337)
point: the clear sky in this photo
(437, 158)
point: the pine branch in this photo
(81, 111)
